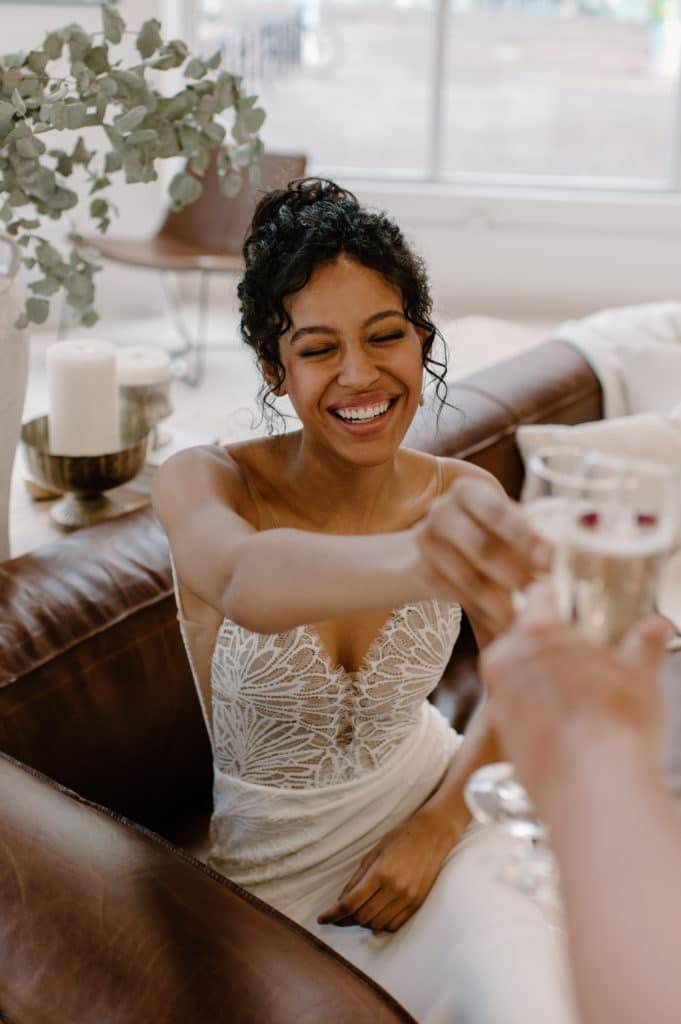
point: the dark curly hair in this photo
(296, 229)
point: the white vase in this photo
(13, 379)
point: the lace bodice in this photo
(283, 715)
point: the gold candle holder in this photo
(84, 479)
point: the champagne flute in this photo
(610, 522)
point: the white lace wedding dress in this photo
(312, 765)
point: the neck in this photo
(346, 495)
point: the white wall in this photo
(534, 255)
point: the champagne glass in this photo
(610, 523)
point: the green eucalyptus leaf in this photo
(224, 91)
(253, 120)
(149, 38)
(99, 184)
(19, 131)
(37, 61)
(75, 115)
(114, 137)
(89, 318)
(39, 127)
(214, 133)
(113, 162)
(30, 147)
(205, 109)
(97, 60)
(17, 198)
(29, 262)
(214, 61)
(53, 46)
(128, 78)
(200, 161)
(47, 256)
(112, 23)
(7, 113)
(63, 199)
(169, 143)
(184, 189)
(37, 310)
(189, 137)
(130, 120)
(64, 162)
(98, 207)
(143, 137)
(81, 154)
(57, 115)
(196, 68)
(24, 241)
(45, 286)
(6, 212)
(18, 102)
(21, 322)
(176, 50)
(108, 86)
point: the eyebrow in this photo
(331, 330)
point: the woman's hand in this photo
(395, 877)
(477, 547)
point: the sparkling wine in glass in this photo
(610, 523)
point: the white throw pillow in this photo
(647, 435)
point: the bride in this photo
(320, 576)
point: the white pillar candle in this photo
(138, 366)
(82, 389)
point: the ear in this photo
(271, 379)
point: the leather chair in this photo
(205, 237)
(108, 914)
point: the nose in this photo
(358, 370)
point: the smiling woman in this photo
(320, 576)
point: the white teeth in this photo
(366, 413)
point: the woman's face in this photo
(353, 362)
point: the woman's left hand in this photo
(395, 877)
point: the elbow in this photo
(241, 605)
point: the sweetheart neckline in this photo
(321, 649)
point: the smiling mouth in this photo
(367, 415)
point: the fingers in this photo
(498, 515)
(645, 645)
(486, 600)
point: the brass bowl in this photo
(85, 478)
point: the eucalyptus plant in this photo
(76, 80)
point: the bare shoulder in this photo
(418, 462)
(201, 472)
(458, 469)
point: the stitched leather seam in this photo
(57, 652)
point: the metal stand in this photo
(190, 359)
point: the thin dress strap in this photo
(441, 479)
(262, 509)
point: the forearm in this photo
(311, 577)
(617, 836)
(447, 803)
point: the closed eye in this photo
(330, 348)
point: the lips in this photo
(362, 401)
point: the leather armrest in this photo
(104, 923)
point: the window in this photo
(545, 92)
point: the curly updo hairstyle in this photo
(296, 229)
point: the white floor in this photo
(225, 408)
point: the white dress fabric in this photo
(314, 764)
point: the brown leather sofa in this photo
(105, 779)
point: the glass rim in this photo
(623, 466)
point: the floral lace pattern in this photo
(285, 716)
